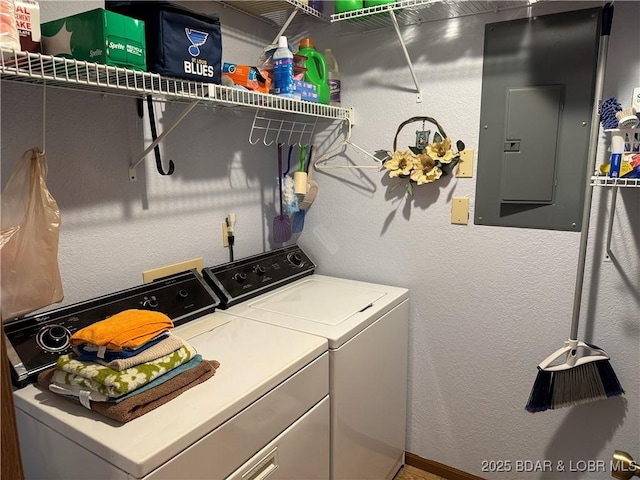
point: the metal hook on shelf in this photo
(253, 127)
(304, 128)
(134, 164)
(266, 132)
(154, 135)
(279, 132)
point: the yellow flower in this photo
(400, 163)
(441, 151)
(424, 170)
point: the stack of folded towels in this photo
(127, 365)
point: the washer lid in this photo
(318, 300)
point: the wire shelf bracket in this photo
(167, 131)
(396, 27)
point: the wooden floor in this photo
(408, 472)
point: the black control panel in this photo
(35, 342)
(243, 279)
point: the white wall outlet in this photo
(151, 275)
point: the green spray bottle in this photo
(316, 66)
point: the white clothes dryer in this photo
(366, 326)
(265, 413)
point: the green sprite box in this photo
(97, 36)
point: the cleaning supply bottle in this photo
(342, 6)
(316, 67)
(333, 75)
(283, 69)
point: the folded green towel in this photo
(114, 383)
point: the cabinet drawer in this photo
(301, 451)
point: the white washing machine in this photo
(265, 413)
(366, 326)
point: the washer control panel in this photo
(35, 342)
(249, 277)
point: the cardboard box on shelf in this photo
(97, 36)
(247, 76)
(28, 24)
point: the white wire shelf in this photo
(73, 74)
(412, 12)
(274, 12)
(408, 12)
(603, 181)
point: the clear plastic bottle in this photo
(283, 69)
(334, 77)
(9, 38)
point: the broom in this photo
(579, 372)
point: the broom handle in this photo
(607, 17)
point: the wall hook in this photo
(154, 135)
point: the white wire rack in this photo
(269, 129)
(603, 181)
(80, 75)
(408, 12)
(274, 12)
(412, 12)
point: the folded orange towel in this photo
(127, 329)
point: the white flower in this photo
(399, 164)
(441, 151)
(133, 378)
(425, 170)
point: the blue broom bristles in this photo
(608, 111)
(585, 383)
(541, 393)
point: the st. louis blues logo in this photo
(197, 39)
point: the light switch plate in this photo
(460, 210)
(465, 165)
(151, 275)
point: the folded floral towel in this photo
(168, 344)
(84, 395)
(138, 405)
(127, 329)
(114, 383)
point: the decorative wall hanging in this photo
(425, 162)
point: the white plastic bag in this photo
(29, 240)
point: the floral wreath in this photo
(426, 162)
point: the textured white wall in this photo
(487, 303)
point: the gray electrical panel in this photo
(538, 86)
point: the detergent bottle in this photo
(316, 66)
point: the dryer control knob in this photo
(240, 277)
(182, 293)
(53, 338)
(259, 269)
(150, 302)
(295, 259)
